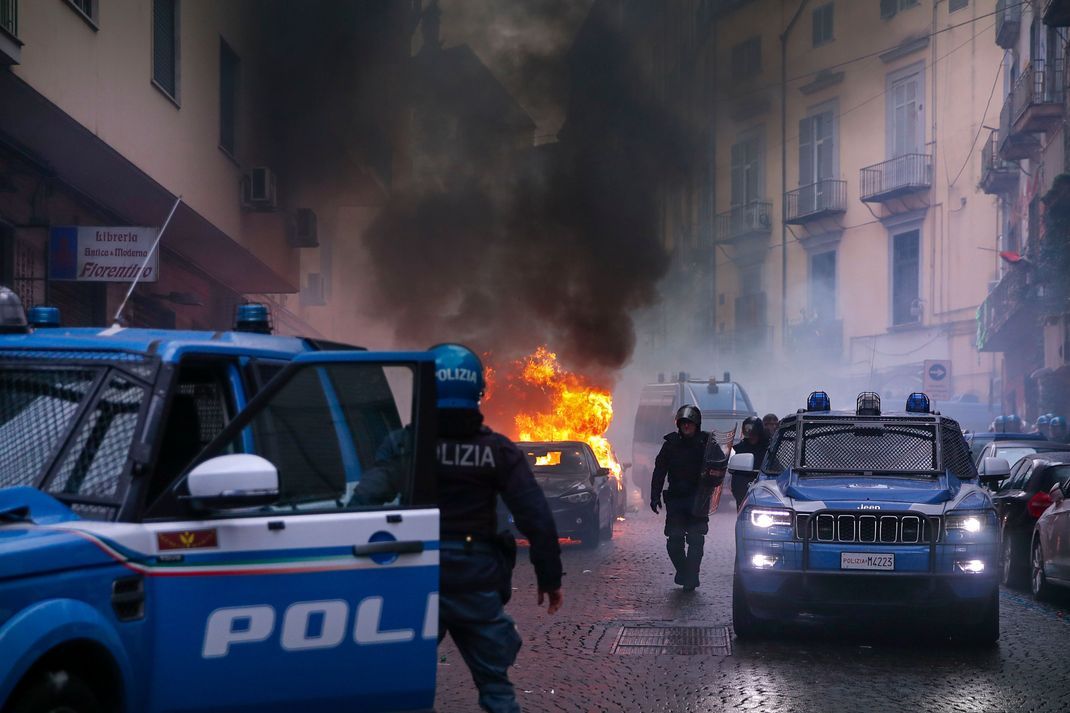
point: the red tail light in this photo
(1038, 504)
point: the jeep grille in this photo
(867, 528)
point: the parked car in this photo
(859, 515)
(1015, 450)
(978, 441)
(724, 405)
(1019, 501)
(1051, 540)
(581, 493)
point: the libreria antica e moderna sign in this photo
(102, 254)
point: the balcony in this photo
(1036, 99)
(745, 221)
(1008, 22)
(1057, 13)
(1014, 145)
(998, 176)
(896, 178)
(826, 198)
(1002, 321)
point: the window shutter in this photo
(738, 162)
(825, 144)
(163, 44)
(806, 151)
(888, 8)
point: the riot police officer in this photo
(685, 459)
(755, 440)
(475, 466)
(1057, 430)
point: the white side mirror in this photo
(741, 462)
(234, 481)
(995, 468)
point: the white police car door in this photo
(327, 598)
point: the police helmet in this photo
(458, 376)
(1057, 422)
(689, 413)
(999, 424)
(1013, 424)
(750, 423)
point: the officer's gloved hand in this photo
(655, 504)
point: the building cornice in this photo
(906, 47)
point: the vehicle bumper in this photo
(571, 519)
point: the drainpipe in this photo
(784, 172)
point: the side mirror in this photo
(741, 463)
(229, 482)
(1057, 493)
(993, 471)
(600, 473)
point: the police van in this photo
(865, 516)
(724, 405)
(180, 528)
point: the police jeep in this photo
(865, 516)
(178, 530)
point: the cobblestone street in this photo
(568, 661)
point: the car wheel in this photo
(592, 534)
(1039, 581)
(1012, 573)
(55, 691)
(984, 629)
(746, 626)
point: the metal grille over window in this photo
(882, 446)
(211, 409)
(97, 458)
(36, 409)
(782, 455)
(955, 450)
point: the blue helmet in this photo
(1057, 422)
(458, 376)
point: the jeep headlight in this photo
(765, 518)
(969, 526)
(583, 497)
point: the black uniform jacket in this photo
(683, 461)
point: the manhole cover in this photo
(675, 640)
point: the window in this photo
(890, 7)
(746, 171)
(747, 58)
(906, 129)
(906, 267)
(228, 97)
(9, 17)
(954, 5)
(817, 158)
(822, 24)
(823, 286)
(87, 9)
(165, 46)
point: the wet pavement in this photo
(597, 653)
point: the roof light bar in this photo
(12, 315)
(43, 316)
(818, 401)
(868, 404)
(253, 317)
(918, 402)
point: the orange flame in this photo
(571, 409)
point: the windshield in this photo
(722, 397)
(549, 461)
(37, 407)
(886, 447)
(1014, 454)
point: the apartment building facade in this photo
(849, 235)
(272, 122)
(1026, 317)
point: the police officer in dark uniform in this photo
(686, 462)
(755, 440)
(475, 466)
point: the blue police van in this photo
(867, 516)
(181, 527)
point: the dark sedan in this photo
(1019, 501)
(580, 492)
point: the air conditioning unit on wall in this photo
(258, 191)
(303, 232)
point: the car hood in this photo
(872, 489)
(558, 485)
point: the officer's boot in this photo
(695, 545)
(675, 547)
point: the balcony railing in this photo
(1008, 21)
(1037, 96)
(999, 309)
(998, 176)
(754, 218)
(1014, 145)
(1057, 13)
(817, 200)
(903, 174)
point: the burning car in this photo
(581, 493)
(857, 514)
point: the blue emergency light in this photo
(868, 404)
(43, 316)
(918, 402)
(818, 401)
(253, 317)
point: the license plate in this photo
(864, 560)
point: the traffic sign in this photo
(936, 379)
